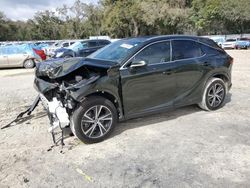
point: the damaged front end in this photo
(62, 84)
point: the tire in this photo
(210, 99)
(29, 64)
(84, 124)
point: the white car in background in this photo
(229, 44)
(218, 40)
(50, 51)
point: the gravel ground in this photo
(187, 147)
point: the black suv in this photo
(131, 78)
(81, 48)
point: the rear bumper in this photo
(230, 86)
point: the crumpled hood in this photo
(58, 68)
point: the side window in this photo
(92, 44)
(184, 49)
(155, 53)
(65, 44)
(84, 45)
(12, 50)
(103, 43)
(71, 43)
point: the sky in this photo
(25, 9)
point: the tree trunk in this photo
(136, 27)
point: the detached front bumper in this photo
(58, 115)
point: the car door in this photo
(16, 57)
(190, 65)
(150, 87)
(3, 58)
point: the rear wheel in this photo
(29, 63)
(214, 95)
(94, 119)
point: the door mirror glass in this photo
(136, 64)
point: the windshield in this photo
(117, 51)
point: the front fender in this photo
(104, 84)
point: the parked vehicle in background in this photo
(229, 44)
(81, 48)
(218, 40)
(19, 56)
(132, 78)
(50, 50)
(243, 43)
(40, 53)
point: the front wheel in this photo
(213, 95)
(94, 119)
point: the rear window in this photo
(244, 39)
(185, 49)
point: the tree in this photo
(122, 18)
(46, 25)
(167, 16)
(238, 16)
(119, 19)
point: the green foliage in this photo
(221, 16)
(119, 18)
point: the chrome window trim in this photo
(171, 52)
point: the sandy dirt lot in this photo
(187, 147)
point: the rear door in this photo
(17, 57)
(190, 65)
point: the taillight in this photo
(231, 60)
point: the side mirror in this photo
(136, 64)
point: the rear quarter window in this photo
(212, 51)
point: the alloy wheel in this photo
(96, 121)
(216, 95)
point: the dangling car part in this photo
(131, 78)
(25, 112)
